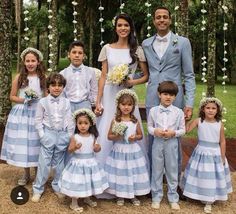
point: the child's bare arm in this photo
(73, 146)
(191, 125)
(138, 135)
(112, 136)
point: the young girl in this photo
(126, 166)
(207, 176)
(82, 176)
(21, 141)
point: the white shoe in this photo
(23, 181)
(120, 202)
(36, 198)
(174, 206)
(207, 208)
(77, 208)
(155, 205)
(135, 202)
(59, 195)
(90, 202)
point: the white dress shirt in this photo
(80, 85)
(61, 116)
(160, 44)
(170, 118)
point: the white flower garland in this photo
(176, 21)
(86, 111)
(126, 91)
(122, 5)
(50, 36)
(74, 3)
(26, 29)
(204, 101)
(148, 5)
(101, 8)
(29, 49)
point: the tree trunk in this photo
(54, 33)
(5, 62)
(18, 6)
(38, 31)
(183, 25)
(91, 36)
(212, 11)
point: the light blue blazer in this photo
(176, 65)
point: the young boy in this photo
(166, 123)
(81, 88)
(54, 123)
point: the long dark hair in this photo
(40, 70)
(132, 40)
(92, 128)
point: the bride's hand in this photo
(128, 83)
(98, 110)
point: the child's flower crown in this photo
(86, 111)
(129, 92)
(207, 100)
(27, 50)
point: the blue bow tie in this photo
(54, 100)
(79, 69)
(167, 111)
(162, 39)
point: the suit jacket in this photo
(175, 65)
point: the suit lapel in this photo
(151, 49)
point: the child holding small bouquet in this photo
(126, 165)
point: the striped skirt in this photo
(21, 140)
(205, 177)
(127, 171)
(82, 177)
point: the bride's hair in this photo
(132, 40)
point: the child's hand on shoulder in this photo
(132, 138)
(96, 147)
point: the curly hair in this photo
(132, 40)
(40, 70)
(92, 128)
(125, 99)
(202, 115)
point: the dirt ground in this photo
(50, 204)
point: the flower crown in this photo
(207, 100)
(27, 50)
(86, 111)
(129, 92)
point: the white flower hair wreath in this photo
(86, 111)
(127, 91)
(27, 50)
(207, 100)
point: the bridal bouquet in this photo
(119, 128)
(30, 94)
(118, 74)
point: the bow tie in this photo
(55, 100)
(159, 39)
(79, 69)
(167, 111)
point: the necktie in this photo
(55, 100)
(79, 69)
(167, 111)
(159, 39)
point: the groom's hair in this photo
(168, 87)
(162, 8)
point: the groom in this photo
(169, 57)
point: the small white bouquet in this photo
(119, 128)
(118, 74)
(30, 94)
(97, 73)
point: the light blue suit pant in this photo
(52, 154)
(164, 159)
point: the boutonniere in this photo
(175, 42)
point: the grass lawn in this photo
(227, 99)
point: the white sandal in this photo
(90, 202)
(77, 208)
(207, 208)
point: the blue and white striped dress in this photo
(83, 176)
(205, 177)
(126, 168)
(21, 140)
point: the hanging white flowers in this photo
(176, 19)
(122, 5)
(26, 29)
(50, 36)
(101, 19)
(148, 5)
(74, 3)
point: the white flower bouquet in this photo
(30, 94)
(118, 74)
(97, 73)
(119, 128)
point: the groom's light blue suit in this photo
(175, 65)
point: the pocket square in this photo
(176, 51)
